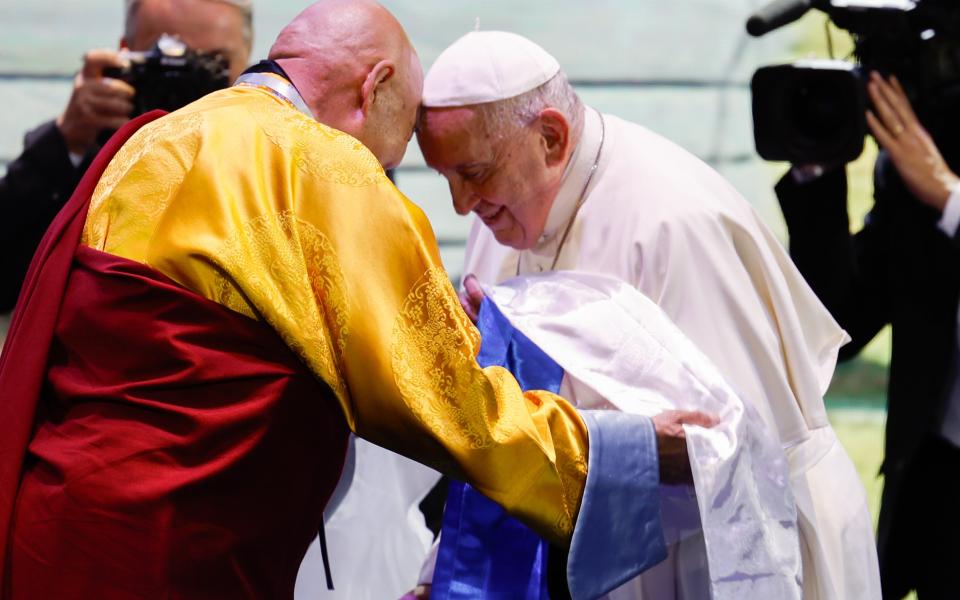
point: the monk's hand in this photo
(672, 443)
(471, 296)
(913, 152)
(96, 103)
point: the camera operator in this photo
(901, 268)
(56, 154)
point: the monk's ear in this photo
(555, 135)
(374, 84)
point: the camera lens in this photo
(815, 113)
(809, 114)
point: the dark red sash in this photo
(156, 444)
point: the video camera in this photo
(813, 112)
(170, 75)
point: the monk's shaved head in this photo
(357, 71)
(340, 32)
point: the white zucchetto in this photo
(486, 66)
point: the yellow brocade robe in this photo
(246, 201)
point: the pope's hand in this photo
(913, 152)
(422, 592)
(471, 296)
(97, 102)
(672, 443)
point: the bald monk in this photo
(233, 288)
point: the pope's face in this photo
(504, 179)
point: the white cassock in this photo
(376, 536)
(658, 218)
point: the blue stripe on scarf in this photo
(484, 553)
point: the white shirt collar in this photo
(278, 86)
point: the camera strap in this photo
(277, 86)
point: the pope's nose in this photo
(464, 200)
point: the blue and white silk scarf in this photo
(484, 553)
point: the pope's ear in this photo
(375, 82)
(555, 133)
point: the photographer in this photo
(901, 268)
(57, 153)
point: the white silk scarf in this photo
(621, 352)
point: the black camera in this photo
(170, 75)
(813, 112)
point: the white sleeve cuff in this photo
(75, 159)
(804, 174)
(950, 219)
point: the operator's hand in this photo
(471, 296)
(97, 102)
(672, 443)
(899, 132)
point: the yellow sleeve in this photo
(260, 209)
(400, 352)
(416, 387)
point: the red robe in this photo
(156, 444)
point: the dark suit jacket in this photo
(37, 185)
(899, 269)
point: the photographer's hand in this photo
(97, 102)
(917, 159)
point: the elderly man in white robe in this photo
(557, 185)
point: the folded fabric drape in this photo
(619, 352)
